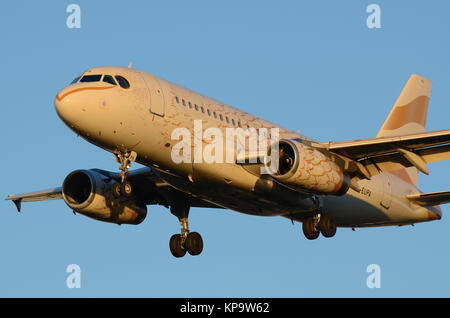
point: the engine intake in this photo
(303, 167)
(89, 193)
(78, 188)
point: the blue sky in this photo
(312, 66)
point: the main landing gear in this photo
(124, 187)
(319, 223)
(191, 242)
(187, 241)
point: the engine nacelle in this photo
(89, 193)
(304, 168)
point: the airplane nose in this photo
(65, 108)
(58, 105)
(61, 107)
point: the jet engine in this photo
(88, 192)
(305, 168)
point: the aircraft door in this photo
(156, 95)
(386, 198)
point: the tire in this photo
(176, 248)
(194, 243)
(309, 229)
(126, 189)
(327, 225)
(116, 189)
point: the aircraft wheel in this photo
(176, 247)
(194, 243)
(126, 189)
(327, 225)
(116, 189)
(310, 230)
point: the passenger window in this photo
(76, 80)
(91, 78)
(122, 81)
(109, 79)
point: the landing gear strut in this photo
(124, 187)
(319, 223)
(187, 241)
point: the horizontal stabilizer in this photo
(430, 199)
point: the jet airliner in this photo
(324, 185)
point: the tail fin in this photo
(408, 116)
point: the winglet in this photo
(18, 204)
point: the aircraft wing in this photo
(147, 185)
(43, 195)
(370, 156)
(430, 199)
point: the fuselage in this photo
(143, 117)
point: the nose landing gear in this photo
(124, 187)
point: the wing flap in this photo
(430, 199)
(435, 154)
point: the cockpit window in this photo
(109, 79)
(122, 81)
(76, 80)
(91, 78)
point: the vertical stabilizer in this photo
(408, 116)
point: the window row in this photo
(210, 113)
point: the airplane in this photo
(324, 185)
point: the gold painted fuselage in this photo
(142, 118)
